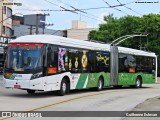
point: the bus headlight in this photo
(37, 75)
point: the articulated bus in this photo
(53, 63)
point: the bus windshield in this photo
(21, 57)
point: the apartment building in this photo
(79, 30)
(5, 18)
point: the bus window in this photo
(140, 63)
(52, 59)
(102, 59)
(83, 60)
(127, 63)
(91, 61)
(18, 56)
(145, 64)
(73, 60)
(153, 64)
(148, 64)
(62, 59)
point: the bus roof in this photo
(57, 40)
(135, 52)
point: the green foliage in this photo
(115, 28)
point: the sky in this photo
(93, 17)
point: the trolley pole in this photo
(123, 38)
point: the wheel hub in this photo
(138, 83)
(64, 87)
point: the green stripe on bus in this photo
(130, 78)
(81, 81)
(92, 80)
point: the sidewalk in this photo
(151, 104)
(158, 80)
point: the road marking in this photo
(73, 99)
(76, 98)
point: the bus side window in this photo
(62, 59)
(102, 61)
(83, 61)
(52, 59)
(73, 61)
(49, 60)
(153, 64)
(139, 63)
(91, 61)
(148, 65)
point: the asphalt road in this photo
(110, 99)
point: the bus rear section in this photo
(132, 67)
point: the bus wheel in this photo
(63, 88)
(31, 91)
(138, 82)
(100, 84)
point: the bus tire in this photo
(100, 84)
(31, 91)
(63, 88)
(138, 83)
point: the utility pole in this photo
(37, 23)
(30, 29)
(43, 30)
(43, 27)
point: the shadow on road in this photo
(41, 94)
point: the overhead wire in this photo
(114, 7)
(43, 10)
(80, 9)
(75, 10)
(58, 6)
(128, 7)
(48, 18)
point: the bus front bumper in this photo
(19, 84)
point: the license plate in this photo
(17, 86)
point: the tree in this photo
(127, 25)
(108, 18)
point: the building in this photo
(22, 30)
(21, 27)
(79, 30)
(5, 18)
(1, 59)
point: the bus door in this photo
(114, 65)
